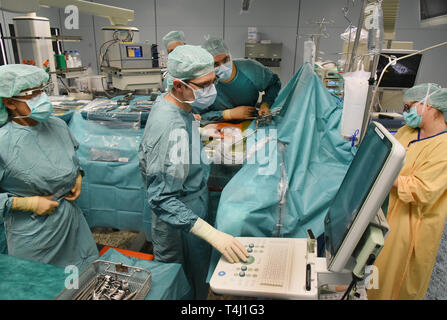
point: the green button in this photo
(250, 260)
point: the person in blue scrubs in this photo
(38, 161)
(240, 83)
(175, 170)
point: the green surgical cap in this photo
(437, 96)
(215, 46)
(17, 77)
(188, 62)
(173, 36)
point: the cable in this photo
(351, 285)
(66, 87)
(407, 56)
(386, 67)
(105, 54)
(115, 39)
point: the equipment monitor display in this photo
(134, 51)
(400, 75)
(432, 12)
(367, 182)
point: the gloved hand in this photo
(37, 204)
(197, 116)
(76, 191)
(239, 113)
(265, 108)
(210, 131)
(226, 244)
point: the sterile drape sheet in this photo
(293, 187)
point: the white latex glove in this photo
(210, 131)
(39, 205)
(226, 244)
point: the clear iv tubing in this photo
(390, 63)
(283, 187)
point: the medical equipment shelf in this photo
(53, 38)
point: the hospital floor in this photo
(129, 240)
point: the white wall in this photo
(285, 21)
(433, 67)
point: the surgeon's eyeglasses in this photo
(34, 92)
(407, 106)
(204, 85)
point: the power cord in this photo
(352, 285)
(393, 61)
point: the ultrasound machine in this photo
(355, 229)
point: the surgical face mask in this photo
(412, 118)
(40, 106)
(203, 97)
(224, 71)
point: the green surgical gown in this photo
(251, 78)
(175, 170)
(38, 161)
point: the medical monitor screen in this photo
(433, 12)
(359, 180)
(134, 52)
(402, 74)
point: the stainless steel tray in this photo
(139, 280)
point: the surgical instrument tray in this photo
(105, 280)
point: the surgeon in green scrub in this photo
(38, 161)
(173, 39)
(240, 83)
(175, 170)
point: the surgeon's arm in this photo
(212, 115)
(5, 198)
(75, 192)
(8, 202)
(272, 88)
(225, 243)
(264, 80)
(165, 171)
(427, 183)
(271, 92)
(37, 204)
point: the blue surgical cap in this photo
(215, 46)
(436, 95)
(15, 78)
(173, 36)
(188, 62)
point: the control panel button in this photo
(250, 260)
